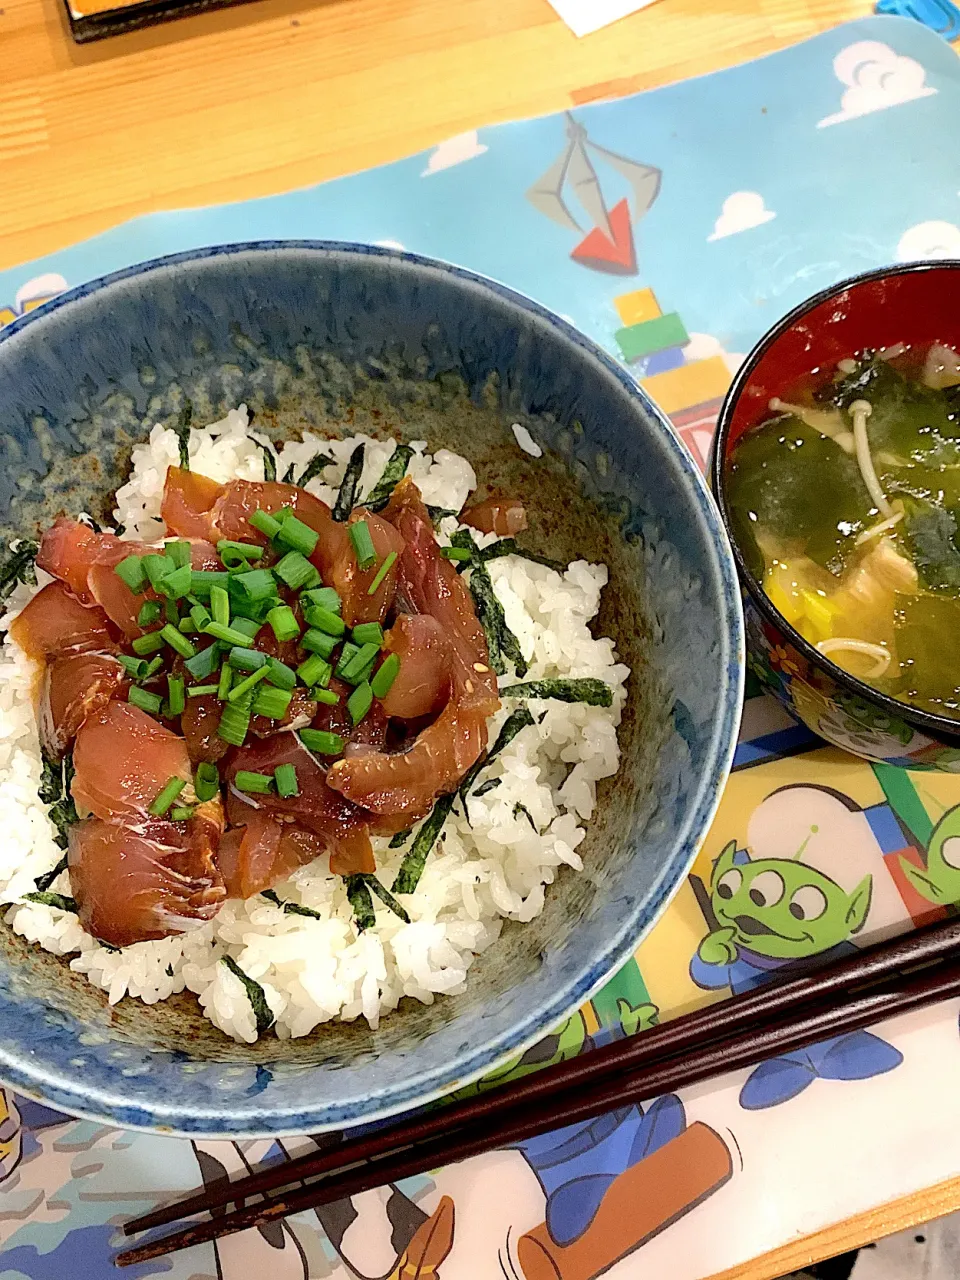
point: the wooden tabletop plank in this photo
(279, 94)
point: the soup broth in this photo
(846, 503)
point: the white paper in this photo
(584, 16)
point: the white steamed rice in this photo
(312, 970)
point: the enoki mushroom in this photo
(876, 530)
(847, 644)
(827, 421)
(860, 411)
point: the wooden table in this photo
(283, 93)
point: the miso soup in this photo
(846, 503)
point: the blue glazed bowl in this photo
(915, 303)
(341, 338)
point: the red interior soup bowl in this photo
(828, 368)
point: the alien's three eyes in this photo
(768, 888)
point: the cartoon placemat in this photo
(674, 228)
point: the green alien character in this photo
(939, 881)
(779, 915)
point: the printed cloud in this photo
(465, 146)
(703, 346)
(929, 240)
(390, 244)
(45, 286)
(876, 78)
(741, 211)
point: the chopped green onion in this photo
(281, 675)
(178, 583)
(298, 536)
(264, 523)
(244, 687)
(171, 613)
(347, 496)
(188, 626)
(244, 551)
(178, 552)
(226, 683)
(149, 612)
(251, 610)
(312, 669)
(285, 777)
(325, 619)
(200, 615)
(382, 572)
(296, 571)
(132, 572)
(283, 623)
(348, 651)
(156, 568)
(255, 584)
(229, 635)
(247, 659)
(206, 781)
(272, 703)
(181, 814)
(595, 693)
(165, 798)
(186, 648)
(456, 553)
(326, 696)
(149, 643)
(201, 580)
(135, 667)
(234, 722)
(283, 514)
(368, 633)
(386, 674)
(319, 642)
(363, 546)
(255, 783)
(200, 690)
(246, 626)
(324, 598)
(203, 664)
(321, 741)
(322, 679)
(360, 702)
(176, 699)
(219, 606)
(354, 671)
(153, 666)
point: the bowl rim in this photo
(469, 1063)
(938, 726)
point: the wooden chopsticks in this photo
(889, 978)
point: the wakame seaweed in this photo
(258, 1001)
(393, 472)
(347, 497)
(933, 538)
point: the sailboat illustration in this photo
(609, 244)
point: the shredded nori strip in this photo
(411, 868)
(52, 900)
(46, 880)
(401, 838)
(269, 459)
(437, 514)
(169, 970)
(258, 1001)
(290, 908)
(384, 894)
(519, 808)
(516, 721)
(89, 521)
(18, 567)
(347, 497)
(595, 693)
(313, 468)
(182, 428)
(501, 642)
(484, 787)
(358, 895)
(393, 472)
(54, 790)
(508, 547)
